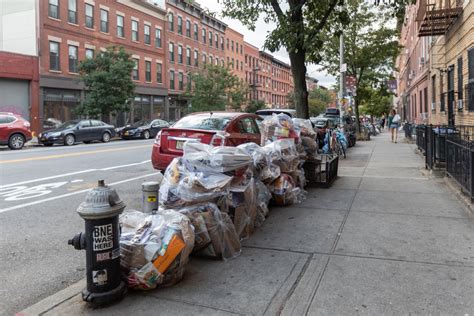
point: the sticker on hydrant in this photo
(103, 238)
(152, 198)
(99, 277)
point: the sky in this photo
(257, 38)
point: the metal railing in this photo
(460, 163)
(420, 138)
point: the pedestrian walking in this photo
(393, 124)
(382, 121)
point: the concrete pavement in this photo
(385, 239)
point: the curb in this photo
(54, 300)
(457, 190)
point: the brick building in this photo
(269, 79)
(193, 38)
(436, 65)
(234, 52)
(19, 60)
(73, 30)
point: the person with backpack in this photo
(393, 124)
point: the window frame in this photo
(171, 52)
(180, 25)
(147, 37)
(104, 23)
(89, 19)
(135, 32)
(171, 81)
(120, 28)
(136, 69)
(54, 14)
(159, 73)
(89, 50)
(171, 22)
(147, 71)
(180, 81)
(180, 54)
(74, 12)
(57, 57)
(73, 63)
(188, 28)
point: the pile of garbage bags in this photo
(212, 198)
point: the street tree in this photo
(375, 101)
(371, 46)
(298, 27)
(319, 100)
(254, 105)
(214, 88)
(108, 83)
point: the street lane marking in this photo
(82, 153)
(72, 193)
(74, 173)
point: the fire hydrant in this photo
(100, 210)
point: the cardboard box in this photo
(174, 249)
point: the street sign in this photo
(343, 67)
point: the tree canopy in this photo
(215, 88)
(319, 100)
(375, 101)
(108, 83)
(371, 46)
(299, 24)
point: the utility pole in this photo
(343, 69)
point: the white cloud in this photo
(257, 38)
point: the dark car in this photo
(14, 130)
(71, 132)
(143, 129)
(204, 127)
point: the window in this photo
(135, 74)
(171, 22)
(222, 62)
(196, 31)
(104, 21)
(146, 34)
(180, 81)
(222, 43)
(147, 71)
(232, 45)
(216, 40)
(180, 54)
(120, 31)
(188, 28)
(204, 36)
(159, 73)
(210, 38)
(460, 78)
(227, 43)
(72, 11)
(470, 85)
(441, 94)
(54, 63)
(211, 60)
(196, 58)
(171, 51)
(189, 81)
(433, 90)
(53, 9)
(248, 126)
(241, 66)
(426, 99)
(72, 58)
(134, 30)
(157, 38)
(172, 79)
(233, 66)
(89, 53)
(241, 53)
(89, 16)
(204, 59)
(188, 56)
(180, 25)
(236, 47)
(228, 61)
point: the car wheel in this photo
(69, 140)
(146, 134)
(106, 137)
(16, 141)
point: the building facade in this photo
(234, 52)
(19, 75)
(73, 30)
(193, 39)
(436, 66)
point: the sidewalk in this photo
(383, 240)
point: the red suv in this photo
(208, 128)
(14, 130)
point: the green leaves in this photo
(216, 88)
(107, 79)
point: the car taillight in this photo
(158, 139)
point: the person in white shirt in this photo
(393, 124)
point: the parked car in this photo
(143, 129)
(14, 130)
(51, 123)
(206, 127)
(269, 112)
(74, 131)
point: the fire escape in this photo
(434, 17)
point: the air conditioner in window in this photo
(433, 105)
(460, 105)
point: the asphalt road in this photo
(40, 190)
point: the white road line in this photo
(48, 178)
(72, 193)
(123, 166)
(74, 173)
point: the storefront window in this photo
(59, 106)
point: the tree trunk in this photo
(298, 69)
(356, 112)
